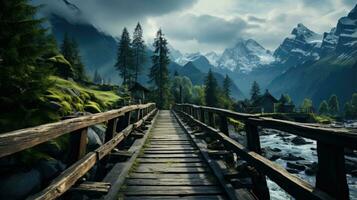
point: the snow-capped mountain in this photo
(245, 56)
(213, 58)
(346, 31)
(303, 44)
(188, 57)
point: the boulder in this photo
(311, 169)
(94, 141)
(271, 154)
(296, 166)
(293, 171)
(299, 141)
(50, 169)
(19, 185)
(291, 157)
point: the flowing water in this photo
(281, 143)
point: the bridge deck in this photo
(170, 167)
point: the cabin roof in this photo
(138, 87)
(266, 96)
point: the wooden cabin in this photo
(138, 92)
(265, 103)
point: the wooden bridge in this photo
(185, 153)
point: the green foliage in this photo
(138, 49)
(351, 107)
(159, 74)
(24, 45)
(323, 108)
(255, 91)
(97, 79)
(227, 84)
(124, 62)
(306, 106)
(62, 67)
(333, 105)
(181, 89)
(285, 99)
(198, 95)
(70, 51)
(211, 90)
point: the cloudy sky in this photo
(204, 25)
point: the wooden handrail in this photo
(19, 140)
(331, 182)
(69, 177)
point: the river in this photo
(280, 143)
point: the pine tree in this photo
(307, 105)
(323, 108)
(138, 48)
(227, 84)
(97, 79)
(211, 90)
(255, 91)
(24, 43)
(124, 57)
(159, 74)
(70, 51)
(333, 105)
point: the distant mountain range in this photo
(304, 65)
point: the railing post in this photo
(202, 115)
(111, 129)
(223, 125)
(78, 147)
(210, 119)
(260, 187)
(331, 174)
(123, 121)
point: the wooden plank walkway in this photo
(170, 167)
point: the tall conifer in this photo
(159, 74)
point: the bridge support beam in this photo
(331, 174)
(260, 187)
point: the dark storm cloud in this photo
(206, 28)
(111, 10)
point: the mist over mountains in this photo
(302, 55)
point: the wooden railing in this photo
(119, 127)
(331, 181)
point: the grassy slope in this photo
(63, 98)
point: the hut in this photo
(138, 92)
(265, 103)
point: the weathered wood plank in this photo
(172, 190)
(182, 155)
(68, 177)
(169, 160)
(92, 188)
(292, 184)
(170, 182)
(170, 176)
(174, 170)
(195, 197)
(18, 140)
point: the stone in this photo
(311, 169)
(296, 166)
(291, 157)
(299, 141)
(49, 169)
(20, 185)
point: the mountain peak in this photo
(353, 13)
